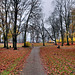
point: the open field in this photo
(58, 61)
(11, 61)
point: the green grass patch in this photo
(12, 66)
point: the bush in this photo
(57, 40)
(28, 44)
(73, 39)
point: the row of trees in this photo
(19, 16)
(60, 20)
(61, 24)
(16, 16)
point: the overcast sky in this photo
(48, 7)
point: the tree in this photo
(72, 25)
(43, 33)
(32, 13)
(66, 14)
(54, 25)
(6, 14)
(59, 7)
(16, 3)
(3, 26)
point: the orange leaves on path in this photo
(11, 61)
(58, 61)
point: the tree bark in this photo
(15, 35)
(26, 30)
(61, 25)
(43, 38)
(25, 38)
(55, 38)
(4, 40)
(6, 31)
(3, 31)
(72, 40)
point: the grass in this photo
(58, 61)
(11, 61)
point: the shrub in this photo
(69, 39)
(73, 39)
(57, 40)
(28, 44)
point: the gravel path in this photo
(33, 65)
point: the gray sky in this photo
(48, 7)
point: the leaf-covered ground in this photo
(41, 44)
(58, 61)
(21, 44)
(11, 61)
(10, 44)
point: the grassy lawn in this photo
(11, 61)
(58, 61)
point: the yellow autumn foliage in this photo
(28, 44)
(65, 40)
(57, 40)
(69, 39)
(74, 39)
(50, 41)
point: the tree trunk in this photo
(43, 38)
(72, 33)
(55, 41)
(4, 41)
(72, 39)
(3, 29)
(4, 35)
(37, 38)
(15, 35)
(6, 24)
(61, 25)
(26, 31)
(67, 35)
(27, 25)
(13, 41)
(0, 38)
(25, 38)
(6, 31)
(67, 40)
(62, 38)
(55, 38)
(61, 30)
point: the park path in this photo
(33, 65)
